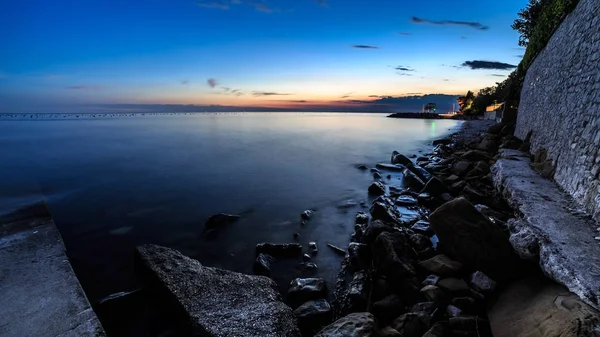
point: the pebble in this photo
(306, 257)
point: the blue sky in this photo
(60, 54)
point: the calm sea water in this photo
(114, 183)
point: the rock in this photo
(476, 155)
(453, 311)
(306, 215)
(507, 130)
(388, 308)
(481, 283)
(467, 235)
(390, 167)
(385, 211)
(205, 294)
(296, 235)
(496, 128)
(392, 255)
(377, 188)
(461, 168)
(454, 286)
(388, 331)
(488, 145)
(372, 231)
(535, 306)
(363, 167)
(312, 245)
(358, 292)
(306, 257)
(466, 304)
(220, 219)
(389, 176)
(451, 179)
(441, 265)
(437, 330)
(337, 249)
(482, 167)
(279, 249)
(442, 141)
(308, 266)
(361, 218)
(358, 256)
(313, 314)
(410, 324)
(306, 289)
(401, 159)
(359, 324)
(422, 158)
(419, 171)
(422, 227)
(458, 186)
(513, 143)
(412, 180)
(262, 265)
(420, 242)
(431, 280)
(376, 175)
(374, 170)
(406, 200)
(433, 294)
(424, 308)
(435, 187)
(428, 200)
(469, 326)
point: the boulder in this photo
(433, 294)
(454, 286)
(372, 231)
(482, 283)
(359, 324)
(393, 255)
(410, 324)
(358, 255)
(468, 236)
(361, 218)
(430, 280)
(205, 295)
(441, 265)
(279, 249)
(388, 331)
(419, 171)
(435, 187)
(388, 308)
(306, 289)
(262, 265)
(406, 200)
(422, 226)
(313, 314)
(461, 168)
(358, 292)
(476, 155)
(496, 128)
(401, 159)
(385, 210)
(535, 306)
(390, 167)
(412, 180)
(437, 330)
(488, 145)
(377, 188)
(220, 219)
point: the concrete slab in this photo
(39, 293)
(551, 229)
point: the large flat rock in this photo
(551, 229)
(219, 302)
(40, 295)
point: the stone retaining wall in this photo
(560, 104)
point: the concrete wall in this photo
(560, 103)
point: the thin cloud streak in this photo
(404, 34)
(475, 65)
(213, 4)
(362, 46)
(212, 82)
(475, 25)
(83, 87)
(268, 93)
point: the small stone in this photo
(453, 285)
(263, 262)
(374, 170)
(427, 308)
(362, 167)
(361, 218)
(303, 223)
(431, 280)
(388, 331)
(433, 293)
(453, 311)
(406, 200)
(309, 266)
(376, 175)
(296, 235)
(410, 324)
(312, 245)
(389, 176)
(481, 283)
(377, 188)
(422, 227)
(306, 214)
(306, 257)
(313, 314)
(441, 265)
(305, 289)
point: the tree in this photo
(466, 102)
(527, 20)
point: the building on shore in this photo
(494, 111)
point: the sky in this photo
(63, 55)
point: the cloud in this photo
(83, 87)
(374, 96)
(475, 25)
(414, 93)
(446, 80)
(404, 34)
(213, 4)
(404, 74)
(226, 89)
(212, 82)
(497, 75)
(488, 65)
(299, 101)
(520, 56)
(401, 68)
(362, 46)
(184, 82)
(347, 95)
(268, 93)
(321, 2)
(463, 37)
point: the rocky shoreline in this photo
(432, 257)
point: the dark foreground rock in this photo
(535, 306)
(360, 324)
(218, 302)
(279, 249)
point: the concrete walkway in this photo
(39, 293)
(551, 229)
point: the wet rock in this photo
(390, 167)
(376, 175)
(420, 172)
(410, 324)
(361, 218)
(220, 219)
(535, 306)
(389, 176)
(422, 227)
(488, 145)
(437, 330)
(372, 231)
(481, 283)
(309, 266)
(306, 257)
(420, 242)
(412, 180)
(337, 249)
(306, 215)
(431, 280)
(305, 289)
(429, 201)
(388, 308)
(296, 235)
(453, 311)
(388, 331)
(435, 187)
(433, 294)
(454, 286)
(458, 186)
(363, 167)
(466, 304)
(385, 211)
(377, 188)
(374, 170)
(358, 292)
(451, 179)
(461, 168)
(442, 141)
(401, 159)
(406, 200)
(424, 308)
(279, 249)
(441, 265)
(360, 324)
(467, 235)
(392, 255)
(262, 265)
(358, 256)
(205, 294)
(476, 155)
(313, 314)
(496, 128)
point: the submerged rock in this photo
(383, 209)
(263, 262)
(306, 215)
(305, 289)
(359, 324)
(406, 200)
(377, 188)
(401, 159)
(205, 294)
(279, 249)
(220, 219)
